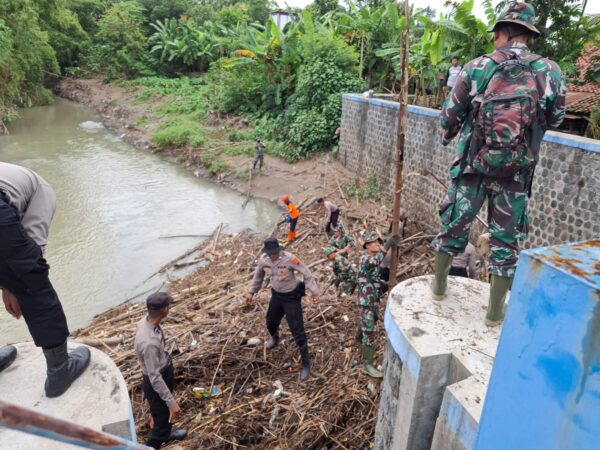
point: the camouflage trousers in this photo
(345, 275)
(368, 316)
(507, 218)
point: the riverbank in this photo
(224, 161)
(217, 341)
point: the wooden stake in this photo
(401, 133)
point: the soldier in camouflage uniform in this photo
(482, 169)
(344, 271)
(369, 295)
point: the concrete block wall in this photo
(564, 206)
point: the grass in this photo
(238, 150)
(179, 134)
(242, 135)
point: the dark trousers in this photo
(333, 220)
(459, 272)
(293, 223)
(258, 159)
(158, 408)
(290, 305)
(24, 272)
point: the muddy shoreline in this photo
(119, 113)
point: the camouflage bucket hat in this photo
(328, 251)
(520, 13)
(371, 236)
(339, 228)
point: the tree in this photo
(25, 57)
(119, 49)
(322, 7)
(565, 30)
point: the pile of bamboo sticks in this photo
(216, 341)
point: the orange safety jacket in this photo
(293, 211)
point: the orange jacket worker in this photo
(292, 217)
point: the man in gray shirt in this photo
(286, 296)
(27, 205)
(157, 370)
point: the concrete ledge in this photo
(98, 399)
(438, 344)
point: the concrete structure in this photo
(437, 362)
(565, 205)
(544, 391)
(98, 399)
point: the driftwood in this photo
(208, 329)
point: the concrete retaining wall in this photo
(564, 206)
(437, 361)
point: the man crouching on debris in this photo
(286, 296)
(157, 369)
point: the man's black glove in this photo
(392, 240)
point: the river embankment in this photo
(136, 120)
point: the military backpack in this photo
(507, 119)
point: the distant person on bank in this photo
(452, 74)
(157, 370)
(27, 205)
(259, 157)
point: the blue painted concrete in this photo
(568, 140)
(544, 392)
(409, 357)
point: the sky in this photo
(593, 6)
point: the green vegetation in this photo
(179, 134)
(370, 190)
(198, 59)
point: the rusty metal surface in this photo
(33, 422)
(581, 260)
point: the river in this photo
(118, 209)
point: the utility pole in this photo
(400, 138)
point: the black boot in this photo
(177, 435)
(273, 341)
(64, 368)
(8, 354)
(305, 369)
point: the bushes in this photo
(119, 49)
(25, 56)
(179, 134)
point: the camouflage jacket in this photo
(340, 243)
(369, 279)
(457, 109)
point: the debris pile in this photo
(232, 392)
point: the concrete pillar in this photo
(431, 346)
(544, 391)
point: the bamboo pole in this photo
(400, 138)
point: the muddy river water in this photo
(121, 212)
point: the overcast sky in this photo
(593, 6)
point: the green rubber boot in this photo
(368, 368)
(358, 336)
(499, 286)
(443, 263)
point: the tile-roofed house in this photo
(582, 95)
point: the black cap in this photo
(158, 301)
(271, 245)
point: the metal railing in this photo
(36, 423)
